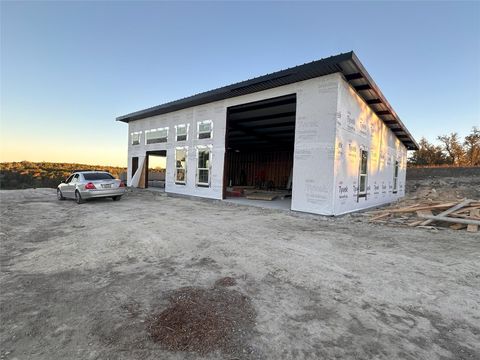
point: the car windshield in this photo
(98, 176)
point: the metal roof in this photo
(347, 63)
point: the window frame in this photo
(396, 168)
(139, 133)
(208, 168)
(199, 123)
(184, 168)
(164, 139)
(186, 126)
(362, 174)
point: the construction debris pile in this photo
(463, 214)
(204, 320)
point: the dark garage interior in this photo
(260, 141)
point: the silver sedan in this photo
(83, 185)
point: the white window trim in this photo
(184, 182)
(360, 175)
(139, 133)
(153, 130)
(187, 126)
(209, 168)
(204, 132)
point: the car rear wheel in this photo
(60, 195)
(78, 197)
(116, 198)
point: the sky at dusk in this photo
(68, 69)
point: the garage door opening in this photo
(156, 165)
(260, 141)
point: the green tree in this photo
(428, 154)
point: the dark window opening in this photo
(156, 141)
(134, 165)
(203, 167)
(204, 135)
(362, 176)
(181, 166)
(395, 178)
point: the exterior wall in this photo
(359, 128)
(332, 124)
(316, 101)
(312, 189)
(213, 111)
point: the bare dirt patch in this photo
(443, 189)
(322, 288)
(203, 320)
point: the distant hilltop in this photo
(27, 174)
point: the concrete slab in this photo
(281, 204)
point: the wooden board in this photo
(422, 207)
(473, 227)
(242, 188)
(464, 203)
(458, 226)
(381, 216)
(415, 223)
(261, 196)
(466, 209)
(420, 213)
(450, 219)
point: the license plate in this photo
(106, 186)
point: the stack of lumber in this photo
(261, 195)
(455, 214)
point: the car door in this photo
(72, 186)
(64, 187)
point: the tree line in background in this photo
(26, 174)
(451, 151)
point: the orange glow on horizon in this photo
(64, 152)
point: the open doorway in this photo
(260, 141)
(134, 165)
(155, 166)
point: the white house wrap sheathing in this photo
(313, 159)
(332, 124)
(312, 125)
(359, 128)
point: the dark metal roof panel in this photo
(347, 63)
(264, 82)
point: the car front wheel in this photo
(60, 195)
(116, 198)
(78, 197)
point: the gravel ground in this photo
(81, 281)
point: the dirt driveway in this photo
(79, 282)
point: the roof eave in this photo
(411, 144)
